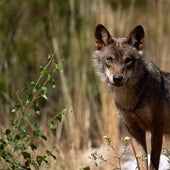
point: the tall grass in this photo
(69, 32)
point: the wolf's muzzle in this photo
(117, 80)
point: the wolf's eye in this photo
(109, 61)
(128, 61)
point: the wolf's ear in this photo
(136, 37)
(102, 37)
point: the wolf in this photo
(140, 89)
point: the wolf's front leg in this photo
(156, 144)
(138, 142)
(140, 151)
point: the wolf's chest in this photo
(141, 117)
(125, 99)
(133, 109)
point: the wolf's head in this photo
(117, 59)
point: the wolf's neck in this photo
(125, 98)
(130, 96)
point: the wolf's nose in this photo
(117, 78)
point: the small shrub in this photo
(20, 142)
(95, 155)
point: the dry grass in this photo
(154, 17)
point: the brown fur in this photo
(141, 90)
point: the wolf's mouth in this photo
(117, 84)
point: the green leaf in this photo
(27, 164)
(37, 124)
(7, 132)
(8, 135)
(40, 159)
(36, 108)
(44, 137)
(43, 70)
(26, 155)
(44, 92)
(14, 122)
(17, 165)
(51, 81)
(19, 146)
(59, 115)
(58, 67)
(3, 144)
(85, 168)
(58, 151)
(15, 108)
(6, 155)
(35, 87)
(33, 146)
(29, 99)
(26, 139)
(23, 128)
(17, 137)
(51, 55)
(44, 89)
(37, 133)
(49, 153)
(52, 127)
(32, 83)
(25, 89)
(44, 96)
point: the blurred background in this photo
(30, 30)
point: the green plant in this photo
(20, 142)
(95, 155)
